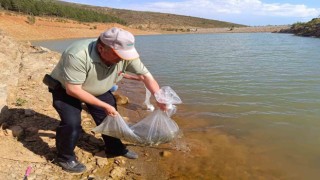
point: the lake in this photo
(251, 103)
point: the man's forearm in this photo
(153, 87)
(150, 83)
(77, 92)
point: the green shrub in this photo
(21, 102)
(31, 20)
(53, 8)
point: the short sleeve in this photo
(74, 69)
(137, 67)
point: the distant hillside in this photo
(164, 21)
(160, 21)
(311, 28)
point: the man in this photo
(86, 71)
(126, 76)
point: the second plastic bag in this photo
(156, 128)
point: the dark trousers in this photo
(69, 129)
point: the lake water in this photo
(251, 102)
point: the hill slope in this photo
(164, 21)
(159, 21)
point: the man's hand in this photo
(110, 110)
(163, 107)
(77, 92)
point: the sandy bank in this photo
(46, 28)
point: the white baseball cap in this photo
(121, 41)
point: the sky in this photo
(247, 12)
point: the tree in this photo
(6, 4)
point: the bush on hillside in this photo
(31, 19)
(50, 8)
(311, 28)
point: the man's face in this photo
(107, 55)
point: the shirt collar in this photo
(94, 53)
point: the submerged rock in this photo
(121, 100)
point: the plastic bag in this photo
(117, 127)
(150, 107)
(166, 95)
(154, 129)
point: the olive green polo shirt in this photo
(80, 64)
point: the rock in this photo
(47, 167)
(31, 139)
(101, 154)
(15, 131)
(86, 119)
(29, 112)
(38, 171)
(3, 97)
(95, 140)
(91, 177)
(47, 133)
(102, 162)
(118, 173)
(44, 49)
(31, 130)
(165, 153)
(117, 162)
(4, 125)
(94, 171)
(84, 156)
(121, 100)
